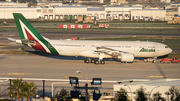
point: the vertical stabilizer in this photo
(25, 28)
(28, 32)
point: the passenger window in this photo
(166, 47)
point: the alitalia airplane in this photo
(125, 51)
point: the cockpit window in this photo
(166, 47)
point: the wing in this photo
(109, 51)
(121, 55)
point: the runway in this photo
(60, 67)
(82, 35)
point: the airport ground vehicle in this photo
(148, 59)
(165, 60)
(168, 60)
(175, 60)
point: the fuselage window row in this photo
(106, 46)
(68, 45)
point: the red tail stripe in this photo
(37, 45)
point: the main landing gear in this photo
(90, 60)
(100, 61)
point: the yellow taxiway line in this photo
(4, 46)
(15, 73)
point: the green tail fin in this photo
(28, 32)
(24, 26)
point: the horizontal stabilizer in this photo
(12, 39)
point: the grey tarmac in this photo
(61, 67)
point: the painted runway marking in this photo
(15, 73)
(10, 46)
(4, 46)
(72, 76)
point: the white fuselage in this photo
(87, 48)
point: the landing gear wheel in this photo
(86, 61)
(102, 62)
(96, 61)
(154, 61)
(92, 61)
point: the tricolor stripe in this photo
(37, 45)
(27, 31)
(30, 36)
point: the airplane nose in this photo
(170, 50)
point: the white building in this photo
(120, 12)
(58, 12)
(13, 4)
(178, 11)
(61, 11)
(49, 3)
(154, 86)
(172, 5)
(103, 13)
(29, 13)
(96, 12)
(151, 14)
(165, 1)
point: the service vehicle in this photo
(175, 60)
(165, 60)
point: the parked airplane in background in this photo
(125, 51)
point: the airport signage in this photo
(74, 26)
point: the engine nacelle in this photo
(126, 57)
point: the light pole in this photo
(130, 91)
(151, 91)
(78, 71)
(86, 85)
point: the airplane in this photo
(125, 51)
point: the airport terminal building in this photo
(72, 12)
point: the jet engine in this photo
(126, 57)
